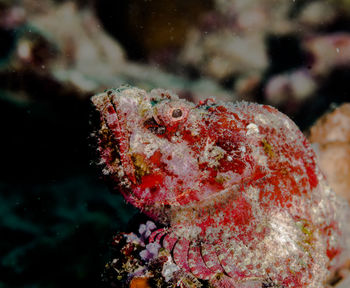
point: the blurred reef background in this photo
(57, 217)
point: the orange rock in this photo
(334, 159)
(139, 282)
(332, 127)
(332, 133)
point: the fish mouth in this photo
(114, 138)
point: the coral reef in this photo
(79, 56)
(268, 43)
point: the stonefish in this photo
(236, 185)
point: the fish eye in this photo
(177, 113)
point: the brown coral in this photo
(332, 134)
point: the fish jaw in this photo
(113, 141)
(130, 149)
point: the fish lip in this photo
(109, 114)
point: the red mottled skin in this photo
(237, 185)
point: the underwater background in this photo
(57, 216)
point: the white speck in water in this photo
(24, 50)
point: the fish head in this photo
(162, 151)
